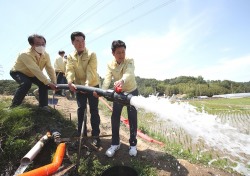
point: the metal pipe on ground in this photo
(35, 150)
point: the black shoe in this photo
(96, 142)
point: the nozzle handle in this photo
(118, 89)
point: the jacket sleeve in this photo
(50, 70)
(129, 70)
(56, 64)
(92, 75)
(107, 79)
(70, 72)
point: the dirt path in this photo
(166, 164)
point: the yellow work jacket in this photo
(124, 71)
(32, 64)
(60, 64)
(82, 70)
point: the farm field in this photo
(200, 127)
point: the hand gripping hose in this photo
(111, 95)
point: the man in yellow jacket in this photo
(81, 69)
(60, 68)
(121, 69)
(28, 69)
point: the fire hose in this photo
(111, 95)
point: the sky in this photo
(166, 38)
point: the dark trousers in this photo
(60, 80)
(25, 83)
(115, 122)
(81, 99)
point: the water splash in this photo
(201, 126)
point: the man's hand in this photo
(72, 87)
(118, 83)
(95, 94)
(52, 86)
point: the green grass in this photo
(214, 106)
(22, 127)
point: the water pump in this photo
(111, 95)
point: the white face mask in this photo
(40, 49)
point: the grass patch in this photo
(21, 128)
(222, 105)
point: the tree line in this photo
(191, 86)
(188, 85)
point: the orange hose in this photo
(125, 121)
(49, 168)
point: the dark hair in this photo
(31, 38)
(61, 52)
(76, 34)
(117, 44)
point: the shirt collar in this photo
(84, 51)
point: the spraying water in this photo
(201, 126)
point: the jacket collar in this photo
(84, 52)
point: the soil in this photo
(152, 153)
